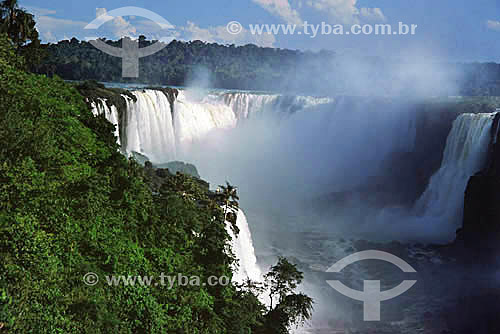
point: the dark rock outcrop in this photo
(481, 225)
(158, 176)
(180, 167)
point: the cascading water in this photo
(242, 247)
(193, 119)
(246, 106)
(161, 131)
(111, 114)
(149, 126)
(438, 213)
(465, 154)
(231, 135)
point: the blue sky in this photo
(458, 30)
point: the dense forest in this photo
(247, 67)
(71, 204)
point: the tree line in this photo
(71, 204)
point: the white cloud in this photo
(493, 25)
(346, 11)
(282, 9)
(152, 30)
(117, 26)
(37, 11)
(372, 14)
(49, 36)
(53, 29)
(220, 35)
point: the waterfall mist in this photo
(315, 174)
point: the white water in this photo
(230, 135)
(293, 156)
(242, 247)
(438, 213)
(149, 128)
(246, 106)
(195, 119)
(465, 154)
(163, 132)
(111, 115)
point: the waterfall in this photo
(439, 211)
(149, 127)
(242, 247)
(194, 119)
(246, 106)
(111, 114)
(465, 154)
(162, 131)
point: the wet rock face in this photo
(481, 226)
(482, 212)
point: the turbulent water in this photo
(162, 131)
(242, 246)
(465, 154)
(438, 213)
(111, 113)
(149, 126)
(284, 151)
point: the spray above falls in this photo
(282, 149)
(162, 129)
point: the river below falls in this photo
(453, 290)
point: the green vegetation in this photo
(71, 204)
(243, 67)
(181, 167)
(19, 26)
(247, 67)
(17, 23)
(292, 308)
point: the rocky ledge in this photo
(481, 225)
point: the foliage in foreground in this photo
(71, 204)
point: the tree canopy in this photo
(257, 68)
(72, 204)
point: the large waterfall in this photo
(278, 148)
(465, 154)
(438, 213)
(149, 126)
(162, 131)
(315, 175)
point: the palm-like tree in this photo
(18, 24)
(229, 198)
